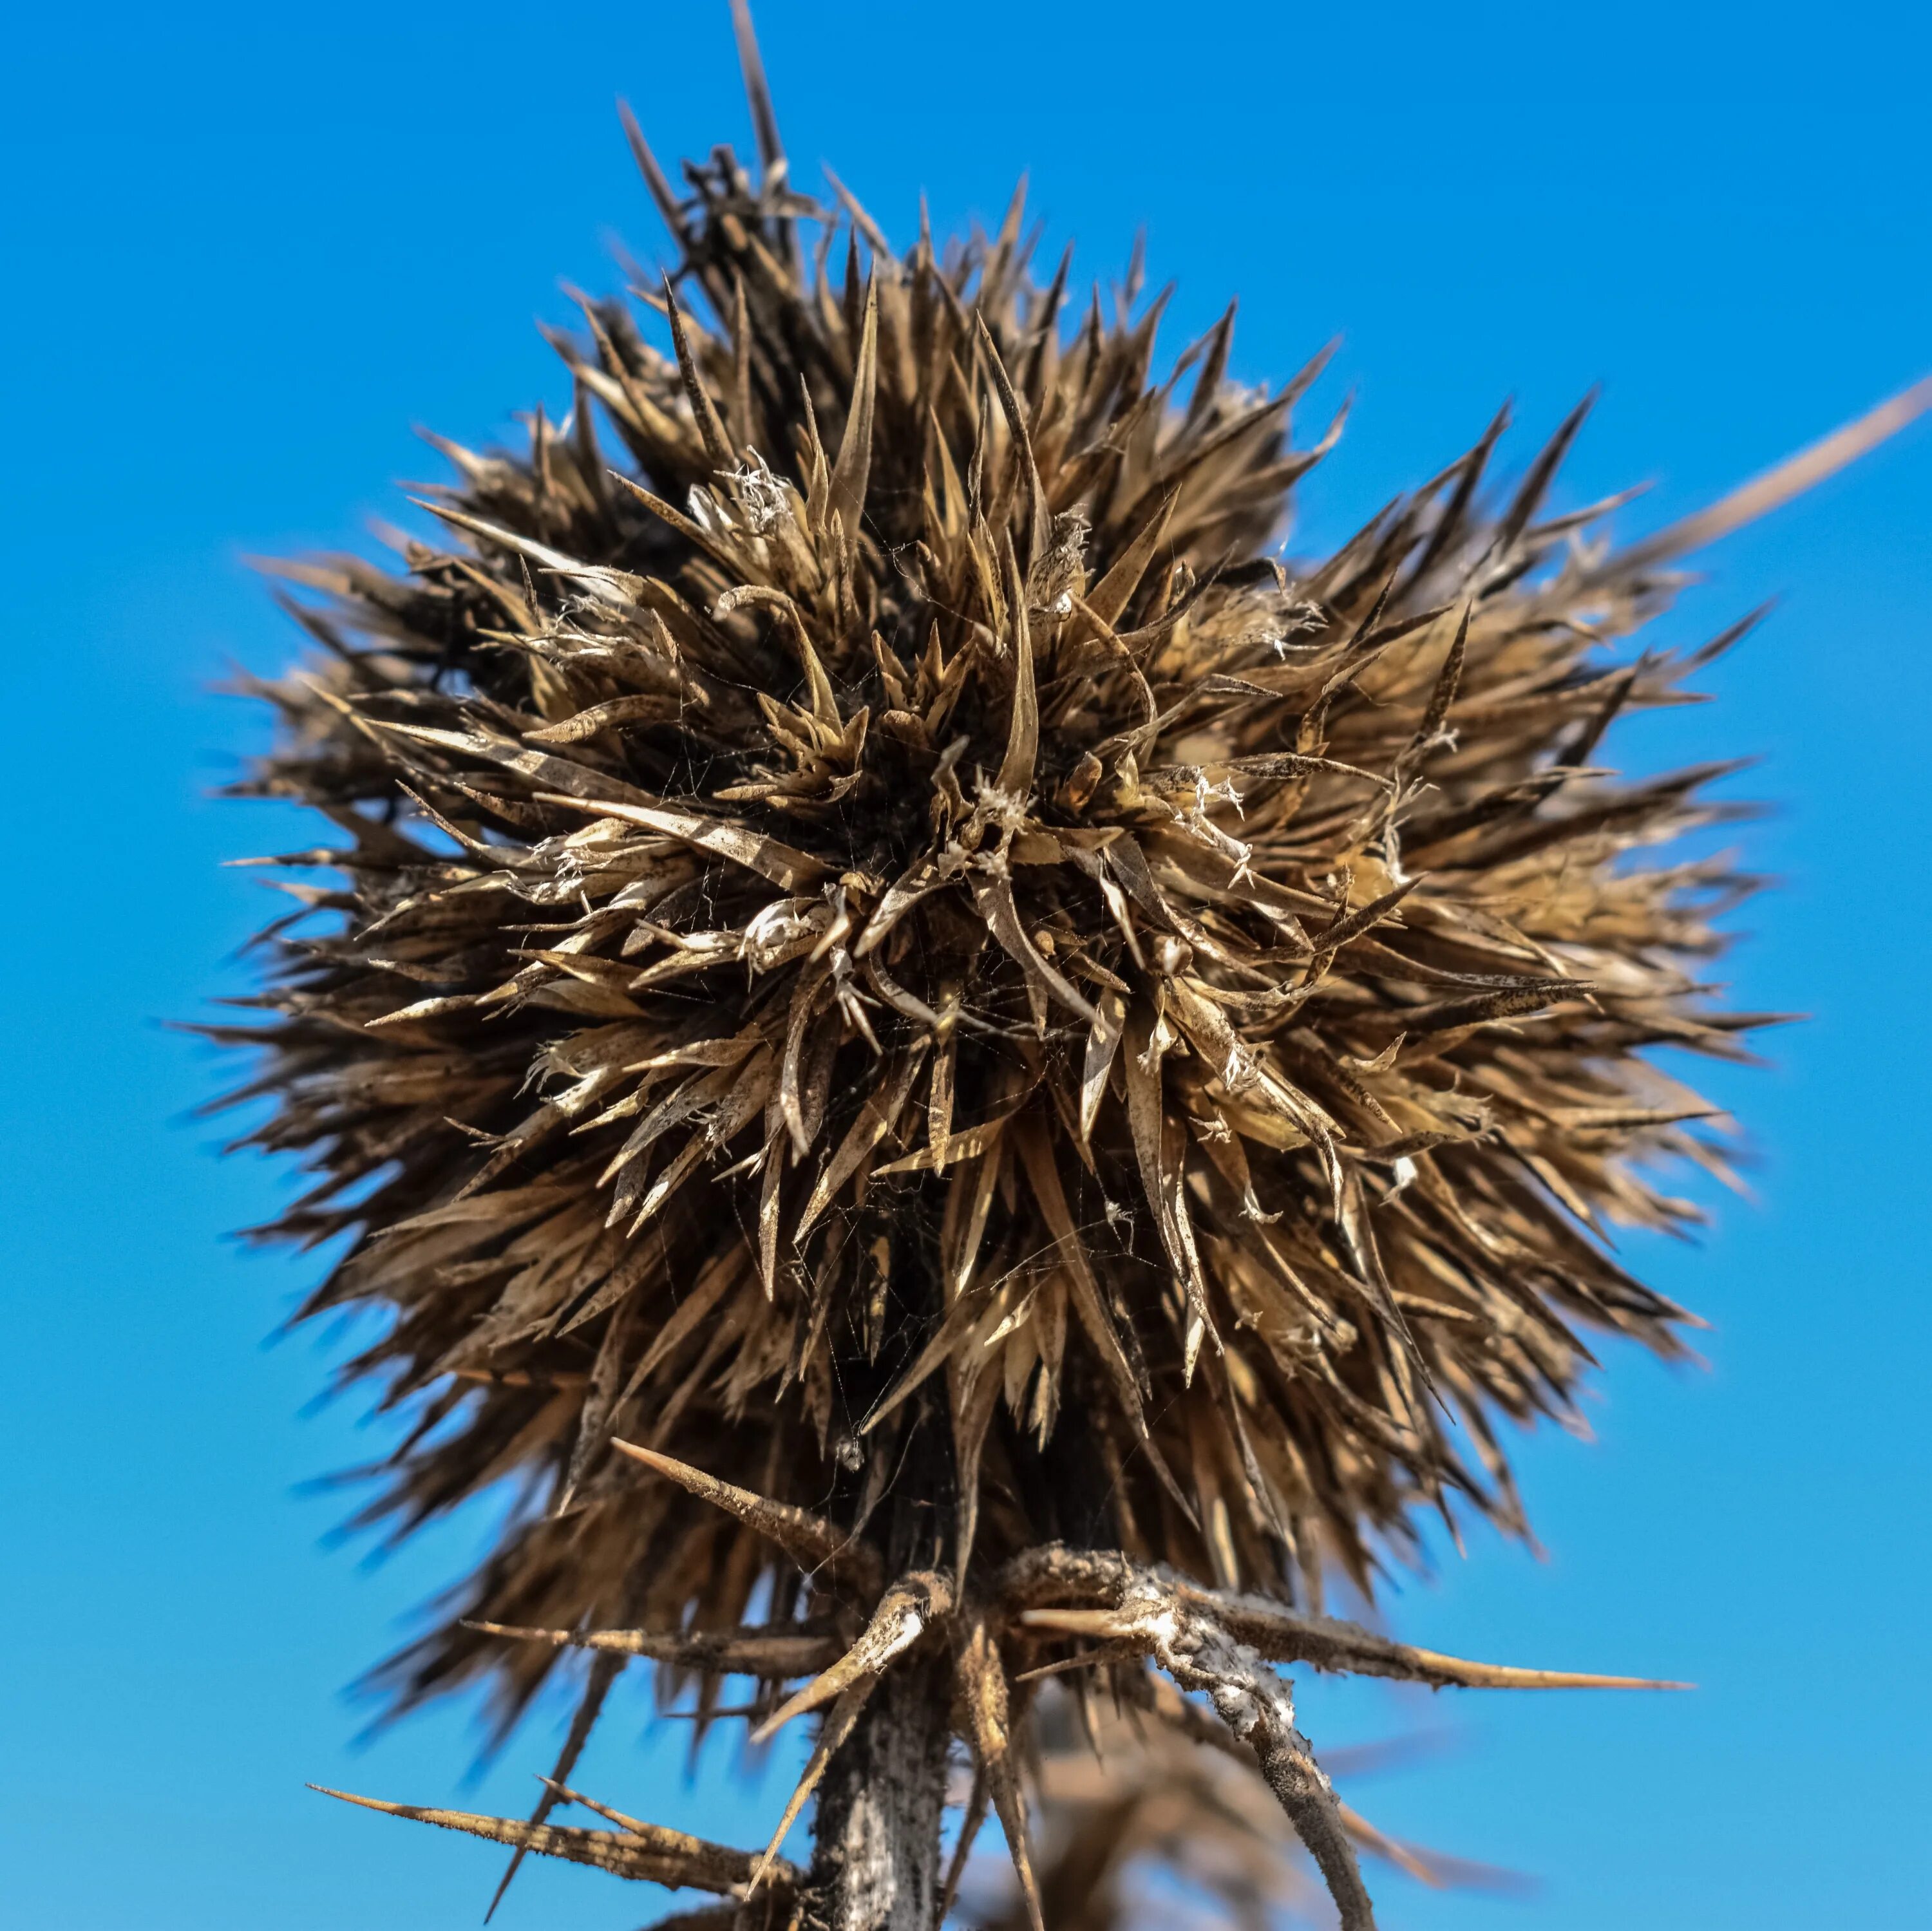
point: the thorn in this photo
(901, 1618)
(649, 1853)
(1339, 1648)
(983, 1683)
(775, 1652)
(837, 1727)
(811, 1541)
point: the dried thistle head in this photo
(890, 893)
(888, 949)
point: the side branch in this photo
(1186, 1641)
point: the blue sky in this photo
(245, 250)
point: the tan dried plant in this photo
(960, 1068)
(1138, 1827)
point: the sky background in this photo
(245, 250)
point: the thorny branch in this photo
(1256, 1704)
(1221, 1644)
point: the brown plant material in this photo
(872, 907)
(647, 1852)
(1147, 1780)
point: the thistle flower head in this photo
(879, 920)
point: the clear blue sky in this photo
(245, 249)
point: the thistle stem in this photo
(875, 1863)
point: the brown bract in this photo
(873, 909)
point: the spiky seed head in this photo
(867, 891)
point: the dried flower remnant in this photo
(940, 1052)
